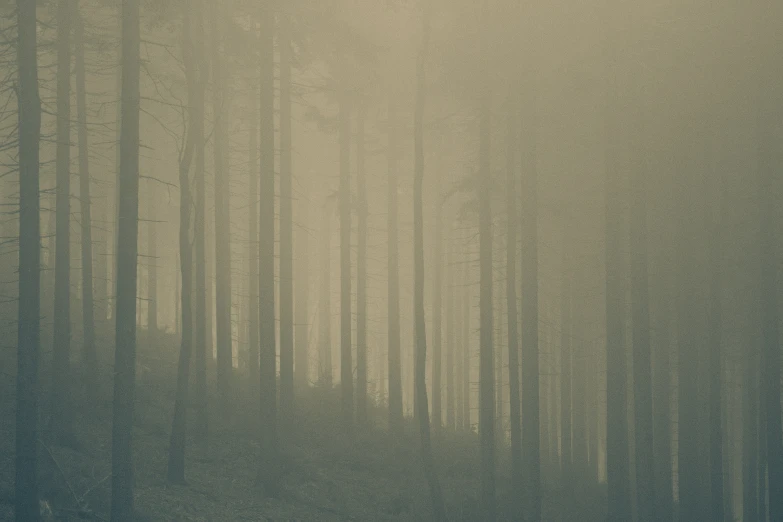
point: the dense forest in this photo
(391, 260)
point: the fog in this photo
(390, 260)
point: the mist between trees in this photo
(390, 260)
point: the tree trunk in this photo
(437, 312)
(222, 221)
(640, 310)
(252, 250)
(420, 398)
(302, 285)
(266, 279)
(61, 407)
(450, 337)
(361, 270)
(89, 355)
(325, 298)
(465, 376)
(617, 453)
(152, 268)
(531, 432)
(286, 291)
(511, 299)
(127, 254)
(26, 504)
(176, 462)
(565, 367)
(395, 362)
(486, 352)
(199, 239)
(346, 363)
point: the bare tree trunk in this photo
(450, 336)
(302, 285)
(361, 271)
(438, 509)
(465, 376)
(177, 443)
(200, 308)
(88, 310)
(26, 504)
(266, 279)
(486, 353)
(152, 268)
(325, 299)
(252, 245)
(437, 312)
(565, 366)
(61, 366)
(125, 343)
(511, 298)
(531, 432)
(394, 357)
(286, 229)
(346, 363)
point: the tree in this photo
(89, 354)
(29, 312)
(266, 254)
(60, 391)
(127, 253)
(361, 269)
(565, 365)
(286, 227)
(346, 363)
(511, 297)
(252, 243)
(438, 509)
(222, 218)
(437, 311)
(531, 431)
(325, 297)
(176, 462)
(393, 282)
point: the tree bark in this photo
(176, 463)
(26, 504)
(266, 279)
(346, 361)
(127, 254)
(224, 344)
(61, 365)
(361, 270)
(89, 355)
(286, 291)
(436, 496)
(395, 360)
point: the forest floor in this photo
(328, 476)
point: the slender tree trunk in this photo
(127, 254)
(437, 312)
(640, 309)
(750, 438)
(361, 271)
(89, 354)
(715, 385)
(395, 362)
(531, 433)
(325, 299)
(565, 367)
(302, 285)
(458, 306)
(199, 240)
(450, 337)
(465, 376)
(152, 268)
(511, 298)
(252, 242)
(662, 429)
(486, 352)
(420, 398)
(26, 504)
(346, 362)
(177, 443)
(266, 279)
(286, 291)
(617, 452)
(61, 373)
(222, 221)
